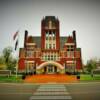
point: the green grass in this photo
(88, 77)
(11, 79)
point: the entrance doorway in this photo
(50, 69)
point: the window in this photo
(51, 57)
(68, 54)
(53, 38)
(49, 46)
(53, 46)
(48, 57)
(46, 38)
(54, 57)
(29, 53)
(46, 46)
(70, 48)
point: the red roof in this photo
(30, 39)
(70, 39)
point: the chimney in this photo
(25, 37)
(74, 37)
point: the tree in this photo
(9, 60)
(7, 54)
(91, 64)
(1, 60)
(11, 64)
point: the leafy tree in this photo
(8, 59)
(91, 64)
(1, 60)
(11, 64)
(7, 54)
(2, 63)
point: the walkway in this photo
(51, 78)
(51, 92)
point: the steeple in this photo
(74, 37)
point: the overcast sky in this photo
(80, 15)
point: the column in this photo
(48, 40)
(52, 40)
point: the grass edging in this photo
(11, 79)
(88, 77)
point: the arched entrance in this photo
(50, 67)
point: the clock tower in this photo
(50, 38)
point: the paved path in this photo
(51, 92)
(50, 78)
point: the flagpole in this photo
(16, 69)
(17, 56)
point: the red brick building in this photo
(50, 53)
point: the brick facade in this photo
(50, 53)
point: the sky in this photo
(80, 15)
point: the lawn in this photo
(11, 79)
(88, 77)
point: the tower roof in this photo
(70, 39)
(50, 18)
(30, 39)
